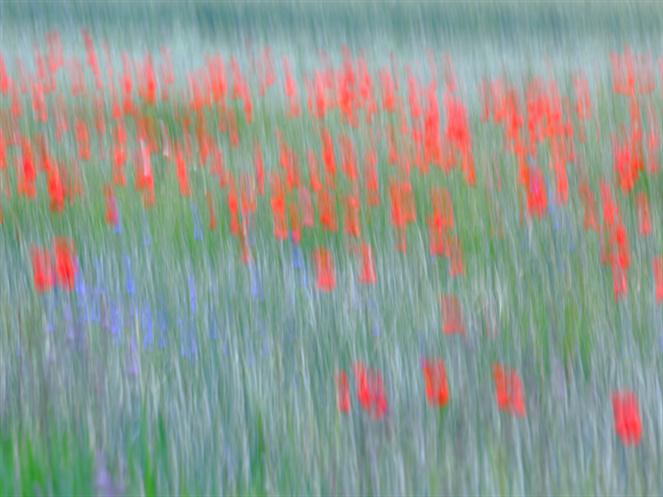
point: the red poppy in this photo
(657, 269)
(370, 391)
(435, 382)
(501, 389)
(342, 392)
(290, 89)
(517, 395)
(55, 189)
(644, 218)
(508, 391)
(247, 193)
(536, 193)
(111, 206)
(351, 223)
(440, 222)
(371, 177)
(327, 210)
(65, 266)
(328, 156)
(587, 197)
(295, 225)
(210, 211)
(259, 167)
(367, 272)
(42, 269)
(454, 251)
(388, 90)
(326, 277)
(626, 413)
(3, 152)
(452, 321)
(82, 139)
(233, 207)
(349, 160)
(28, 176)
(181, 171)
(278, 207)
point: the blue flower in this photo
(162, 324)
(256, 289)
(192, 294)
(297, 258)
(148, 327)
(115, 321)
(117, 228)
(197, 231)
(131, 286)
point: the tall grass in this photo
(175, 369)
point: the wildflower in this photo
(326, 278)
(536, 193)
(508, 391)
(367, 273)
(452, 321)
(644, 218)
(435, 382)
(626, 413)
(65, 267)
(42, 269)
(657, 269)
(342, 392)
(370, 391)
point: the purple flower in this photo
(192, 294)
(148, 327)
(115, 321)
(256, 288)
(162, 324)
(197, 231)
(117, 227)
(130, 285)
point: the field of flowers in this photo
(331, 249)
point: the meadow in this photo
(342, 249)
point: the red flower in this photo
(644, 218)
(42, 269)
(367, 274)
(259, 167)
(326, 278)
(65, 267)
(182, 174)
(111, 206)
(351, 220)
(626, 412)
(435, 382)
(454, 252)
(501, 390)
(452, 321)
(508, 391)
(327, 210)
(55, 190)
(295, 229)
(589, 205)
(657, 269)
(370, 391)
(278, 207)
(536, 193)
(342, 392)
(517, 396)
